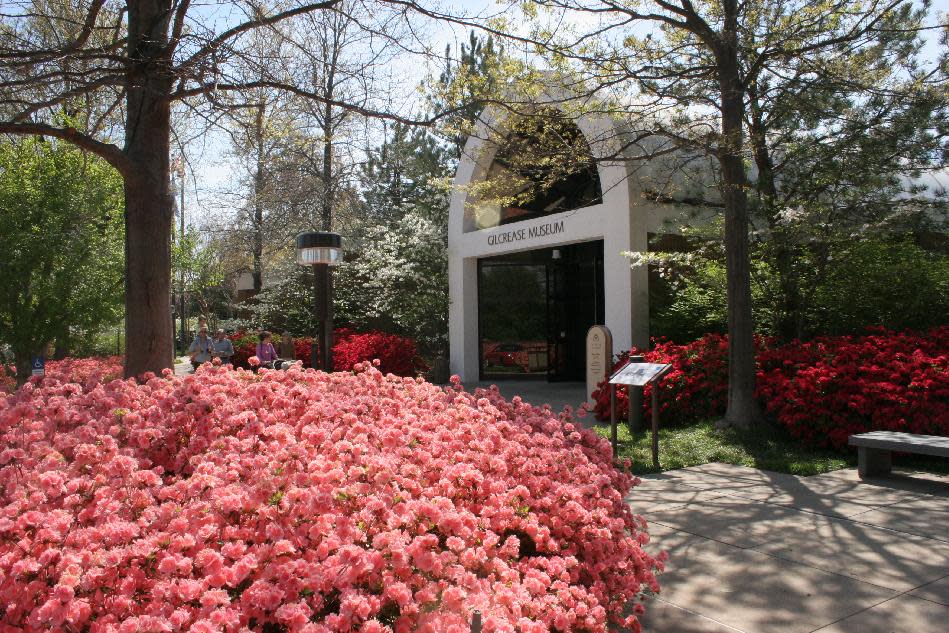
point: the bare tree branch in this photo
(111, 153)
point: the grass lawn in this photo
(768, 447)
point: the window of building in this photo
(544, 166)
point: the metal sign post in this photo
(613, 418)
(476, 621)
(638, 375)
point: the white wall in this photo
(622, 221)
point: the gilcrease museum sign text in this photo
(541, 230)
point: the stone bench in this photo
(874, 450)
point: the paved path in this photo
(182, 368)
(538, 392)
(760, 552)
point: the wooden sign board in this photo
(599, 356)
(639, 374)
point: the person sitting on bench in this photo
(221, 347)
(268, 355)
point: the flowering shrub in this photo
(306, 501)
(78, 370)
(397, 354)
(245, 346)
(695, 388)
(822, 390)
(830, 388)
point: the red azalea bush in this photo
(245, 346)
(822, 390)
(306, 501)
(696, 385)
(397, 354)
(830, 388)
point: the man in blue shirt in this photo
(201, 348)
(222, 347)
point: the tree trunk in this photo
(149, 205)
(62, 347)
(258, 246)
(22, 358)
(743, 408)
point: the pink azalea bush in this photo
(80, 370)
(305, 501)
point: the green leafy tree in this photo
(62, 222)
(198, 269)
(467, 83)
(408, 172)
(727, 79)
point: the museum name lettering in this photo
(541, 230)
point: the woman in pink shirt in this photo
(266, 352)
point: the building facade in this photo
(529, 276)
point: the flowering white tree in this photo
(400, 281)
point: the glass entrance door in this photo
(512, 315)
(574, 304)
(535, 309)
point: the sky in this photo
(211, 171)
(209, 168)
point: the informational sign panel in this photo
(39, 365)
(639, 374)
(599, 356)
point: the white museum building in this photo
(527, 279)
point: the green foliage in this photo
(61, 215)
(197, 269)
(849, 286)
(893, 284)
(466, 85)
(408, 172)
(286, 303)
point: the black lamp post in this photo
(321, 250)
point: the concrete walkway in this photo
(538, 392)
(760, 552)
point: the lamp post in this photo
(321, 250)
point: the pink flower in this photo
(306, 500)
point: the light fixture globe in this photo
(319, 248)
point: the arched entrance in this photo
(539, 221)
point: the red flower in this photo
(822, 390)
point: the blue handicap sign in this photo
(39, 365)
